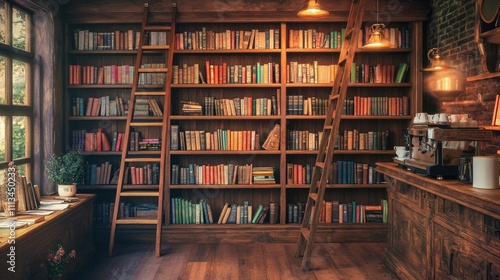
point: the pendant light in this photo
(377, 38)
(442, 80)
(312, 11)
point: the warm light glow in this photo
(377, 38)
(313, 11)
(442, 80)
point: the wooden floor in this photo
(239, 261)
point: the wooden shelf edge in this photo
(484, 76)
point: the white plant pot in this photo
(66, 190)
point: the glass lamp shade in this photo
(313, 11)
(442, 80)
(377, 38)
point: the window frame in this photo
(8, 110)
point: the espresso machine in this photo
(436, 150)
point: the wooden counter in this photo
(440, 229)
(72, 228)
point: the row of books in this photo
(147, 174)
(242, 106)
(26, 193)
(370, 140)
(220, 139)
(95, 141)
(376, 106)
(303, 140)
(243, 214)
(152, 78)
(310, 73)
(228, 39)
(103, 211)
(188, 212)
(207, 174)
(147, 107)
(311, 106)
(100, 174)
(101, 75)
(341, 212)
(342, 172)
(84, 39)
(99, 106)
(315, 39)
(352, 212)
(379, 73)
(258, 73)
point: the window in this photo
(16, 111)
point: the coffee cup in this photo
(443, 118)
(401, 151)
(421, 118)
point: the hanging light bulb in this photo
(313, 11)
(443, 81)
(377, 38)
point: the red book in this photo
(106, 145)
(133, 175)
(99, 140)
(207, 69)
(119, 142)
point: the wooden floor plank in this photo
(251, 261)
(173, 262)
(343, 261)
(226, 262)
(295, 264)
(276, 262)
(347, 266)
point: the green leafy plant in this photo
(56, 261)
(66, 169)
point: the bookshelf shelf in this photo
(232, 152)
(246, 85)
(276, 85)
(235, 187)
(232, 118)
(340, 186)
(345, 152)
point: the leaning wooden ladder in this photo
(137, 122)
(330, 131)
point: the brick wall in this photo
(451, 29)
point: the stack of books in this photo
(263, 175)
(191, 108)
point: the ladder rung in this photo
(334, 97)
(137, 221)
(342, 62)
(305, 232)
(146, 124)
(155, 47)
(142, 160)
(320, 164)
(150, 93)
(157, 28)
(313, 196)
(348, 34)
(140, 193)
(152, 70)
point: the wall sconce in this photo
(442, 80)
(312, 11)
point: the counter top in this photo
(482, 200)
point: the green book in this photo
(257, 214)
(403, 67)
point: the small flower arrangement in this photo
(56, 261)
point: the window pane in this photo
(19, 32)
(19, 136)
(3, 22)
(2, 80)
(19, 93)
(3, 145)
(21, 169)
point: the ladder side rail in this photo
(166, 118)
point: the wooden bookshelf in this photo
(281, 192)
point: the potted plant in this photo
(66, 171)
